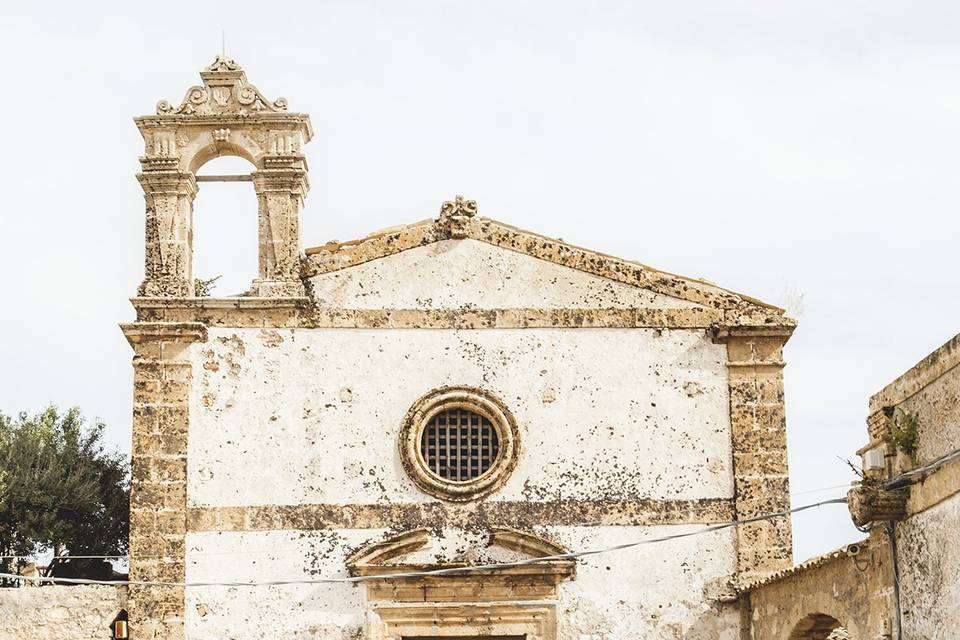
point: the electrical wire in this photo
(435, 572)
(908, 477)
(277, 551)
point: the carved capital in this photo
(169, 182)
(290, 179)
(870, 502)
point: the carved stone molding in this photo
(480, 402)
(522, 583)
(870, 502)
(225, 90)
(530, 621)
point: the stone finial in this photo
(222, 64)
(458, 207)
(225, 90)
(456, 216)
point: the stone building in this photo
(903, 580)
(452, 392)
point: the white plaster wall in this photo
(451, 274)
(296, 416)
(654, 592)
(928, 551)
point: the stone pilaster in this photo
(281, 186)
(158, 491)
(759, 445)
(168, 254)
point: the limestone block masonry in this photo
(268, 433)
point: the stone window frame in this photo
(459, 397)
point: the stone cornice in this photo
(186, 332)
(724, 333)
(177, 120)
(494, 513)
(335, 256)
(917, 377)
(298, 313)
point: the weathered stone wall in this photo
(655, 592)
(927, 539)
(293, 464)
(312, 416)
(928, 549)
(60, 613)
(855, 592)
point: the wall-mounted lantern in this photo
(119, 626)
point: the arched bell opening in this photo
(225, 227)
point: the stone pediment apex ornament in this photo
(455, 215)
(225, 91)
(458, 207)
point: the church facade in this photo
(451, 393)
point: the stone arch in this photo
(226, 115)
(815, 626)
(206, 147)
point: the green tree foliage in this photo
(60, 490)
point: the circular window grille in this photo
(458, 443)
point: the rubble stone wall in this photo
(59, 612)
(854, 592)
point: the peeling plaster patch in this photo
(270, 338)
(692, 389)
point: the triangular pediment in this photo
(471, 262)
(419, 550)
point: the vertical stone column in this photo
(281, 186)
(158, 491)
(169, 234)
(759, 444)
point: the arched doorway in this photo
(817, 626)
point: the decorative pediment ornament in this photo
(225, 90)
(458, 207)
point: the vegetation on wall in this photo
(60, 490)
(204, 288)
(904, 431)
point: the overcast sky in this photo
(804, 153)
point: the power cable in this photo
(436, 572)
